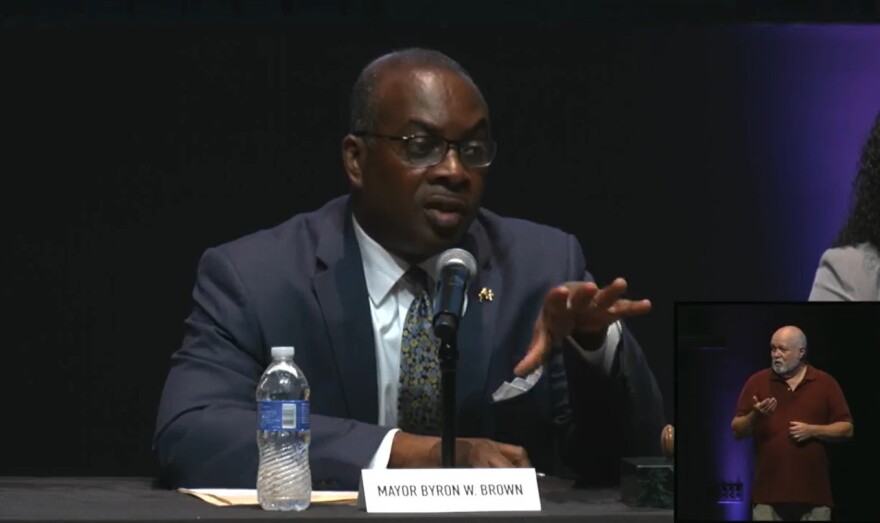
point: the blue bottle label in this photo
(283, 415)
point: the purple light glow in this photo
(812, 94)
(734, 457)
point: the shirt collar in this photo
(382, 270)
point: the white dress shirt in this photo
(390, 296)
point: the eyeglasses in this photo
(421, 150)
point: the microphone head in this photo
(460, 257)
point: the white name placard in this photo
(449, 490)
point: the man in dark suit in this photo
(344, 285)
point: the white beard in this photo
(782, 368)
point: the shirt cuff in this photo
(602, 357)
(383, 454)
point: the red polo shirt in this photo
(787, 471)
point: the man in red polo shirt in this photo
(791, 409)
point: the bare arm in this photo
(742, 425)
(837, 431)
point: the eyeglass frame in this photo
(449, 145)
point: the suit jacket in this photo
(849, 273)
(302, 283)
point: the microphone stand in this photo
(449, 307)
(448, 361)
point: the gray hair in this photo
(801, 339)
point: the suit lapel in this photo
(341, 291)
(476, 334)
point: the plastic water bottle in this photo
(284, 480)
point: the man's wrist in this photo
(412, 451)
(590, 341)
(750, 418)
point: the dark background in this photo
(719, 347)
(138, 133)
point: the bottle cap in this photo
(282, 353)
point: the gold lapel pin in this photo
(486, 294)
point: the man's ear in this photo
(353, 151)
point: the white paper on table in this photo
(512, 389)
(224, 497)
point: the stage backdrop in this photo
(676, 154)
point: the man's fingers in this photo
(625, 308)
(582, 293)
(554, 323)
(557, 318)
(497, 461)
(612, 292)
(536, 353)
(516, 455)
(580, 304)
(766, 405)
(759, 405)
(766, 402)
(493, 456)
(485, 453)
(556, 301)
(523, 462)
(606, 305)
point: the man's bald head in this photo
(364, 108)
(792, 335)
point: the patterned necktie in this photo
(418, 404)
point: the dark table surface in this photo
(135, 499)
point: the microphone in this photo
(454, 267)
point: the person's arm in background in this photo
(206, 426)
(847, 274)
